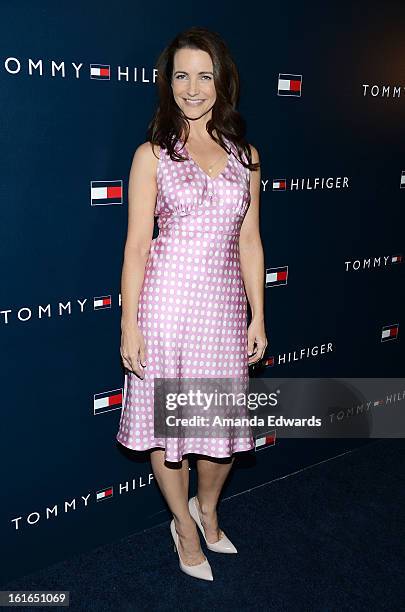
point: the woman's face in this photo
(193, 82)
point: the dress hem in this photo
(140, 450)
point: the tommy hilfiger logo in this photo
(289, 84)
(106, 192)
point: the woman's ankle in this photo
(206, 509)
(184, 524)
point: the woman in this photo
(200, 177)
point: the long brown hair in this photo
(169, 123)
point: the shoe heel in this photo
(224, 545)
(202, 571)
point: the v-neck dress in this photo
(192, 308)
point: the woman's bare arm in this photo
(252, 266)
(142, 193)
(142, 190)
(250, 246)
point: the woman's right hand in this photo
(133, 349)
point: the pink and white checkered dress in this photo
(192, 306)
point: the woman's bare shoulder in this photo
(146, 157)
(147, 150)
(255, 153)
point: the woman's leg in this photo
(211, 477)
(173, 483)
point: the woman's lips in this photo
(193, 102)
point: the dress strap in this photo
(236, 154)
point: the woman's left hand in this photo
(257, 341)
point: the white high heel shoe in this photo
(224, 544)
(202, 570)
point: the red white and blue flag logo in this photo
(276, 276)
(279, 184)
(265, 440)
(105, 192)
(389, 332)
(289, 84)
(101, 302)
(107, 401)
(101, 72)
(104, 494)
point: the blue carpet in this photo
(328, 538)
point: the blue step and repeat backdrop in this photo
(323, 94)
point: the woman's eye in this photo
(204, 76)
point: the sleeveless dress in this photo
(192, 308)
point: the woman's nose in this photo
(193, 87)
